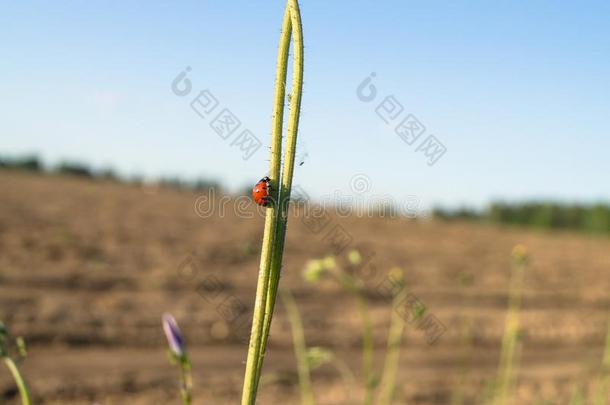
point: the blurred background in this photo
(434, 137)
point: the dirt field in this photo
(88, 267)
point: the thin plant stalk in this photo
(367, 350)
(395, 335)
(11, 365)
(510, 339)
(21, 385)
(255, 351)
(354, 286)
(186, 381)
(603, 388)
(348, 378)
(252, 375)
(457, 397)
(509, 348)
(300, 349)
(295, 25)
(275, 221)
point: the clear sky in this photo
(517, 92)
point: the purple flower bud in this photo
(173, 335)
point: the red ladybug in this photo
(260, 192)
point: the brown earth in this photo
(88, 267)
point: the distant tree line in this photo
(33, 163)
(593, 218)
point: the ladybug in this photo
(260, 192)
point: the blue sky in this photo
(517, 92)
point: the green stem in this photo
(186, 380)
(367, 350)
(276, 135)
(457, 397)
(251, 376)
(300, 348)
(255, 355)
(390, 367)
(23, 390)
(275, 221)
(288, 170)
(510, 339)
(348, 378)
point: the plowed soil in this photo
(88, 267)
